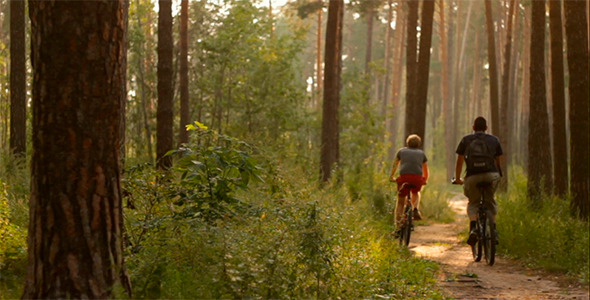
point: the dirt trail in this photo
(462, 278)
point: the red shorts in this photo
(416, 180)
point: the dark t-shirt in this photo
(491, 140)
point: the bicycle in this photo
(407, 225)
(486, 237)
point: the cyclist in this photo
(477, 172)
(413, 166)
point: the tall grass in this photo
(544, 236)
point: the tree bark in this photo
(18, 79)
(319, 68)
(396, 86)
(505, 125)
(426, 24)
(411, 66)
(330, 151)
(493, 68)
(184, 96)
(578, 60)
(560, 161)
(164, 142)
(539, 161)
(75, 246)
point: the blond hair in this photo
(413, 141)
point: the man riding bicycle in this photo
(481, 152)
(413, 170)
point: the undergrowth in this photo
(543, 236)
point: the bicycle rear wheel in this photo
(489, 242)
(406, 230)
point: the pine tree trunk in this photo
(493, 69)
(539, 158)
(579, 85)
(423, 68)
(75, 245)
(184, 97)
(330, 152)
(411, 67)
(505, 115)
(18, 77)
(164, 142)
(560, 165)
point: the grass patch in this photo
(547, 236)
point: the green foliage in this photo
(211, 169)
(546, 236)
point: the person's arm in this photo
(425, 171)
(459, 168)
(394, 169)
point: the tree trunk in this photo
(396, 86)
(184, 97)
(577, 59)
(411, 66)
(330, 152)
(426, 23)
(388, 52)
(75, 246)
(504, 116)
(539, 161)
(369, 45)
(319, 68)
(18, 77)
(164, 142)
(447, 114)
(493, 69)
(560, 161)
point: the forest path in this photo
(462, 278)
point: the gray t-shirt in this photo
(411, 160)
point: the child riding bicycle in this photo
(481, 152)
(413, 166)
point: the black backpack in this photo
(479, 156)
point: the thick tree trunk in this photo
(164, 142)
(560, 161)
(75, 245)
(184, 97)
(426, 24)
(330, 151)
(579, 85)
(388, 52)
(493, 69)
(447, 114)
(539, 161)
(18, 77)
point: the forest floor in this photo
(462, 278)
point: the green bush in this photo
(545, 236)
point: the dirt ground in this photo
(462, 278)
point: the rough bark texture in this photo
(579, 85)
(493, 69)
(164, 115)
(330, 151)
(539, 161)
(411, 66)
(560, 174)
(184, 97)
(75, 231)
(426, 23)
(18, 84)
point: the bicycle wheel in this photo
(489, 242)
(409, 225)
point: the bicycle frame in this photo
(407, 217)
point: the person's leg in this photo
(399, 209)
(416, 199)
(490, 201)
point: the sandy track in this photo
(462, 278)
